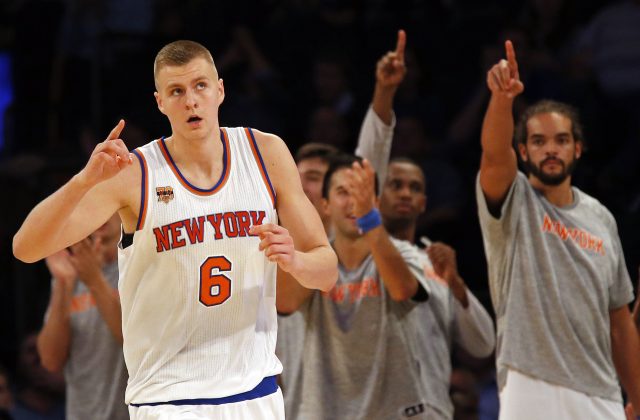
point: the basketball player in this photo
(198, 264)
(82, 332)
(452, 315)
(557, 274)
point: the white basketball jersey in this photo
(198, 296)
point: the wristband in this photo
(369, 221)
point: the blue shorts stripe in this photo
(267, 387)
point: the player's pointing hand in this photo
(503, 78)
(107, 159)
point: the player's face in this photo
(339, 206)
(403, 196)
(189, 96)
(312, 173)
(551, 152)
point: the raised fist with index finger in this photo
(107, 159)
(504, 78)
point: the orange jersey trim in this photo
(261, 166)
(226, 167)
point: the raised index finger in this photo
(511, 56)
(115, 133)
(400, 44)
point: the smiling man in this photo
(209, 214)
(557, 274)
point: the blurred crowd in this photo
(302, 69)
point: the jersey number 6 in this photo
(215, 289)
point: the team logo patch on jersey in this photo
(165, 194)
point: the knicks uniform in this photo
(198, 296)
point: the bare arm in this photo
(86, 260)
(300, 245)
(625, 347)
(636, 308)
(376, 132)
(54, 339)
(396, 276)
(498, 165)
(82, 205)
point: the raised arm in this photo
(376, 133)
(625, 348)
(636, 307)
(299, 245)
(83, 204)
(396, 276)
(54, 339)
(473, 328)
(499, 165)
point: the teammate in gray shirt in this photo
(452, 315)
(357, 363)
(557, 274)
(82, 333)
(312, 160)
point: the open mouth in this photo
(194, 119)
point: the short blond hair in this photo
(179, 53)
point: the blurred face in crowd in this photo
(312, 171)
(403, 196)
(109, 235)
(6, 399)
(190, 96)
(551, 152)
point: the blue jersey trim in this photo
(143, 189)
(264, 168)
(224, 166)
(268, 386)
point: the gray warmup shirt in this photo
(356, 361)
(434, 327)
(95, 372)
(554, 274)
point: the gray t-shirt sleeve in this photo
(508, 211)
(473, 329)
(374, 142)
(414, 262)
(621, 289)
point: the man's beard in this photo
(549, 179)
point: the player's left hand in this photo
(361, 187)
(391, 68)
(443, 259)
(277, 244)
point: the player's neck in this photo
(202, 151)
(559, 195)
(351, 252)
(402, 231)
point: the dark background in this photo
(69, 69)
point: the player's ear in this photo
(579, 149)
(220, 91)
(423, 204)
(159, 102)
(522, 149)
